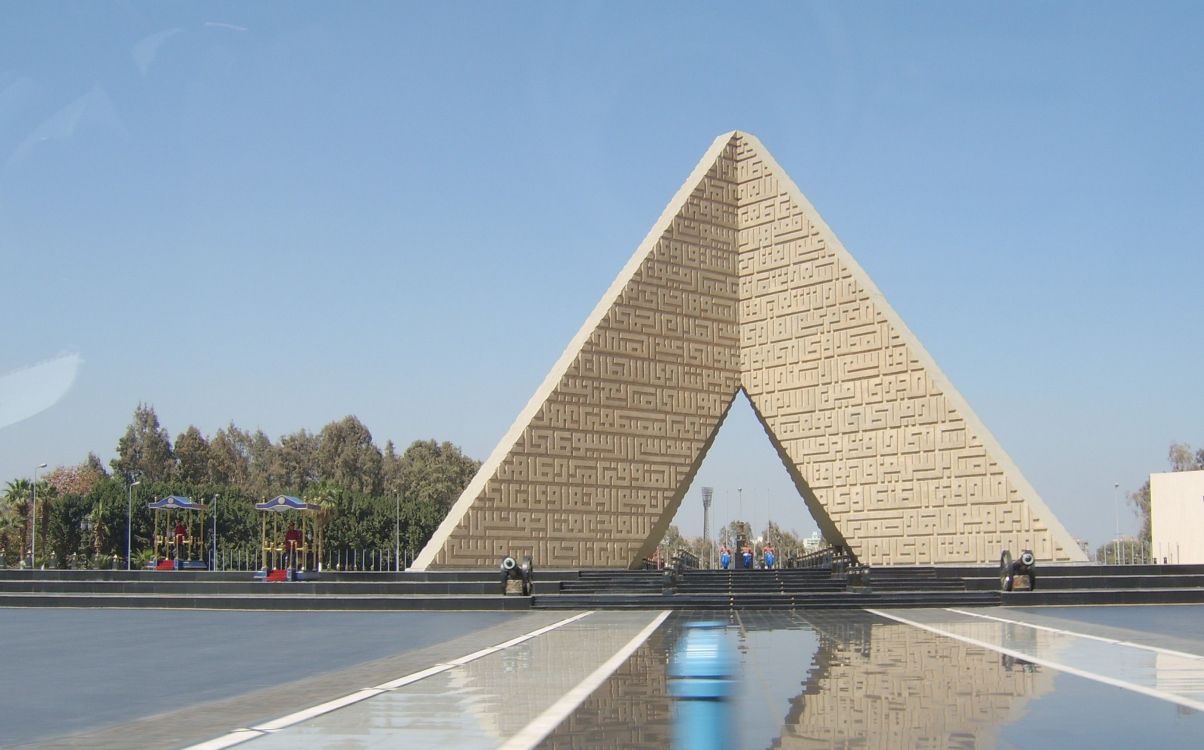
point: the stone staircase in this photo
(751, 589)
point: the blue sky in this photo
(280, 214)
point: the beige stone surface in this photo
(741, 285)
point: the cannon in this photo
(524, 571)
(1019, 574)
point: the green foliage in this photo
(347, 456)
(64, 530)
(145, 447)
(14, 519)
(192, 456)
(430, 472)
(368, 498)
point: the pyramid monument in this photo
(741, 286)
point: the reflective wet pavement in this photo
(903, 678)
(987, 677)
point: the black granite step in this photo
(175, 586)
(281, 602)
(1082, 596)
(479, 589)
(828, 600)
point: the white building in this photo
(1177, 516)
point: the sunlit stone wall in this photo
(740, 284)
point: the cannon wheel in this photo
(1005, 571)
(526, 587)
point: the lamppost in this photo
(1116, 508)
(129, 517)
(397, 536)
(213, 554)
(86, 525)
(33, 544)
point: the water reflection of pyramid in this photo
(870, 684)
(741, 286)
(887, 685)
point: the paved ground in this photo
(94, 678)
(989, 677)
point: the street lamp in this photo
(397, 536)
(1116, 509)
(33, 544)
(213, 554)
(129, 517)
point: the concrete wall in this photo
(1177, 516)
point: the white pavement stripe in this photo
(515, 641)
(1076, 634)
(473, 656)
(542, 725)
(236, 737)
(318, 710)
(544, 629)
(1132, 686)
(239, 736)
(415, 677)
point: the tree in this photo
(64, 527)
(430, 472)
(786, 543)
(192, 456)
(75, 480)
(230, 458)
(672, 539)
(46, 498)
(1181, 458)
(296, 461)
(262, 479)
(97, 466)
(17, 496)
(348, 457)
(145, 447)
(733, 531)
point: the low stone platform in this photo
(605, 589)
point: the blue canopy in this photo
(175, 502)
(285, 502)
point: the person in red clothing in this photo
(180, 534)
(292, 540)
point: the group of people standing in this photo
(768, 557)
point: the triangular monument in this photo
(741, 285)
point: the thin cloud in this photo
(94, 108)
(223, 25)
(146, 48)
(34, 389)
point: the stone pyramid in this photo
(741, 285)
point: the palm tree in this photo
(17, 495)
(320, 495)
(9, 524)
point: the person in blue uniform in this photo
(725, 557)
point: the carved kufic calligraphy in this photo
(741, 286)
